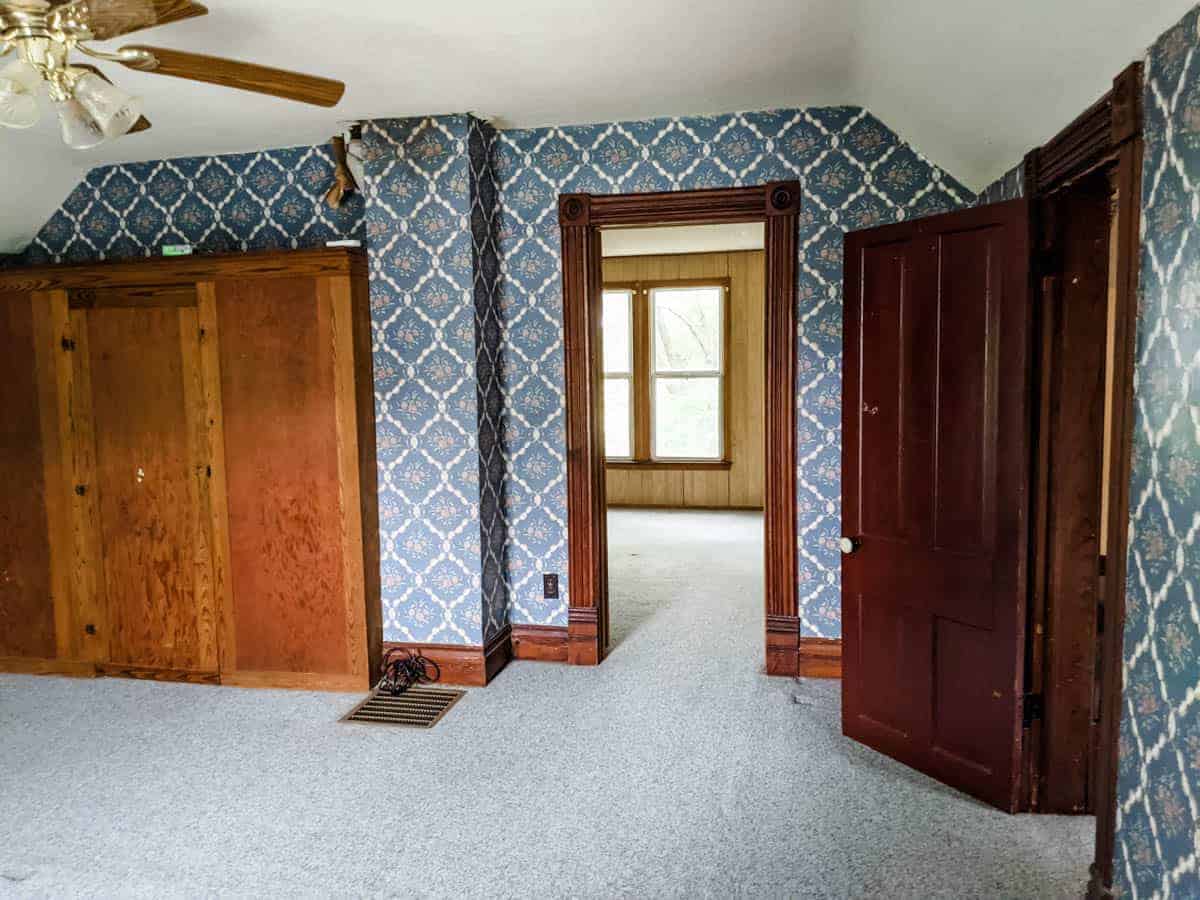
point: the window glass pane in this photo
(617, 338)
(617, 421)
(687, 418)
(687, 329)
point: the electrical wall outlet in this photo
(550, 586)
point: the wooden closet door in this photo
(27, 604)
(152, 472)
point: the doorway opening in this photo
(682, 408)
(582, 217)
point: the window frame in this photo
(644, 375)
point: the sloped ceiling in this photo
(972, 84)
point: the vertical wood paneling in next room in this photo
(741, 485)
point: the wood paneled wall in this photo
(741, 485)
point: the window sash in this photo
(642, 381)
(717, 373)
(629, 421)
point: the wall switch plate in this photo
(550, 586)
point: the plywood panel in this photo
(84, 633)
(27, 625)
(146, 474)
(282, 462)
(741, 485)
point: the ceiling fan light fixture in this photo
(80, 131)
(113, 110)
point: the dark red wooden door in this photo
(935, 496)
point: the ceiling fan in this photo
(91, 109)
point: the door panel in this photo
(148, 423)
(935, 489)
(285, 503)
(27, 625)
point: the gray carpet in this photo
(675, 769)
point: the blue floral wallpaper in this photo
(218, 204)
(855, 172)
(1159, 776)
(1009, 186)
(430, 224)
(460, 224)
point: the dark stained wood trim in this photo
(783, 645)
(820, 657)
(1093, 140)
(177, 270)
(580, 218)
(584, 644)
(497, 653)
(1128, 182)
(1108, 135)
(545, 643)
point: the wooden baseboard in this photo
(545, 643)
(583, 636)
(298, 681)
(303, 681)
(156, 673)
(497, 653)
(820, 658)
(468, 664)
(30, 665)
(783, 638)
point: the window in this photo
(664, 372)
(617, 341)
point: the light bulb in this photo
(18, 106)
(79, 130)
(112, 109)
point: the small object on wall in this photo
(177, 250)
(343, 179)
(550, 586)
(343, 243)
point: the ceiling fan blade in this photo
(107, 19)
(240, 75)
(142, 124)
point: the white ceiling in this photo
(972, 84)
(681, 239)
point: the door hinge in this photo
(68, 344)
(1034, 707)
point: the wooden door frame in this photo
(580, 217)
(1108, 137)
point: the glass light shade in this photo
(18, 109)
(79, 130)
(18, 105)
(23, 74)
(112, 109)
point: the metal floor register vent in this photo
(418, 707)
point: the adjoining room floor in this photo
(675, 769)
